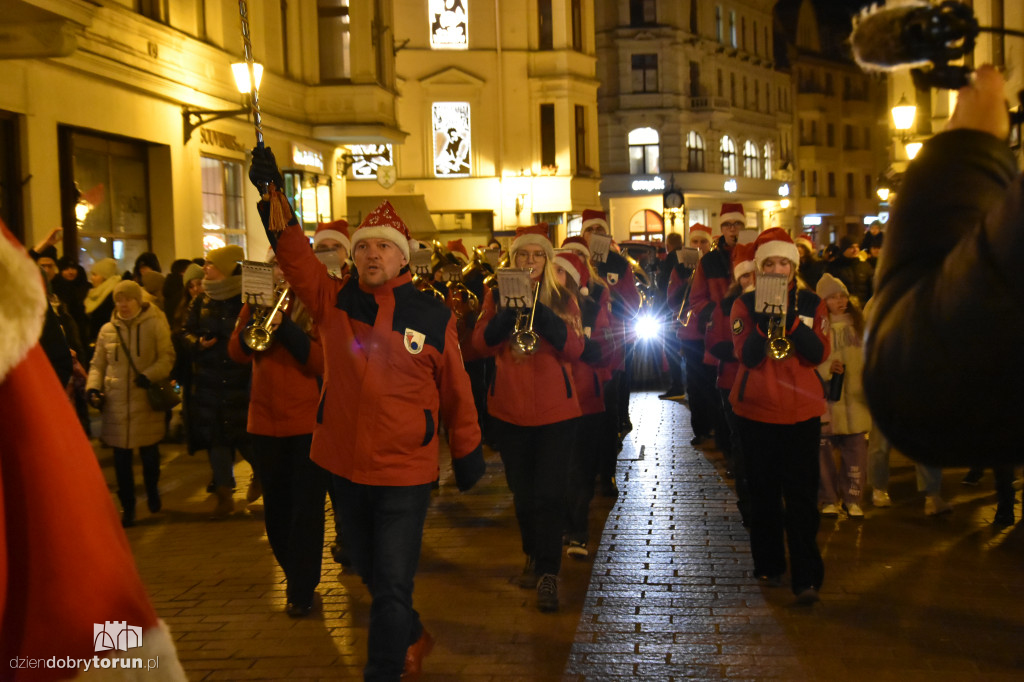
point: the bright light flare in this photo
(647, 327)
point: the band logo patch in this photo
(737, 326)
(613, 278)
(414, 341)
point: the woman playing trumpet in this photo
(282, 413)
(533, 403)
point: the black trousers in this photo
(150, 456)
(536, 462)
(700, 389)
(294, 488)
(587, 453)
(736, 460)
(782, 467)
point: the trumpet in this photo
(524, 340)
(778, 345)
(260, 335)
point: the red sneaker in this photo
(415, 654)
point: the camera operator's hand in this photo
(982, 105)
(142, 381)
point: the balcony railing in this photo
(705, 103)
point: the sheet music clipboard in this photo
(771, 294)
(515, 289)
(258, 283)
(599, 246)
(419, 262)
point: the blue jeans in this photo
(383, 531)
(929, 479)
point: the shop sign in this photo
(655, 184)
(307, 157)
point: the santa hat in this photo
(593, 218)
(742, 260)
(830, 286)
(536, 235)
(806, 243)
(337, 230)
(458, 249)
(383, 223)
(51, 607)
(731, 212)
(226, 258)
(700, 231)
(774, 242)
(570, 261)
(579, 245)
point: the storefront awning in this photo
(411, 208)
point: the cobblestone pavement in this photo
(668, 593)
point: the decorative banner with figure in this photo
(451, 125)
(449, 25)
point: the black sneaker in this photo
(973, 477)
(547, 593)
(528, 578)
(577, 550)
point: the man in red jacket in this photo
(392, 369)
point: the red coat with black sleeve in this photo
(591, 370)
(392, 368)
(719, 343)
(780, 391)
(710, 282)
(531, 390)
(285, 379)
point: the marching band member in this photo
(778, 403)
(719, 341)
(590, 373)
(392, 368)
(333, 236)
(533, 404)
(282, 414)
(712, 278)
(677, 287)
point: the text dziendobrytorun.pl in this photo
(84, 664)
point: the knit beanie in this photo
(830, 286)
(775, 241)
(383, 223)
(128, 289)
(106, 268)
(192, 272)
(226, 258)
(153, 282)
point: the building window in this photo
(803, 183)
(850, 186)
(694, 152)
(643, 12)
(732, 28)
(334, 40)
(310, 195)
(695, 79)
(643, 151)
(721, 84)
(814, 132)
(831, 184)
(545, 31)
(867, 137)
(757, 95)
(732, 89)
(751, 160)
(814, 183)
(547, 134)
(743, 33)
(719, 36)
(223, 204)
(694, 25)
(645, 72)
(848, 142)
(728, 150)
(869, 187)
(449, 25)
(769, 160)
(746, 99)
(367, 158)
(754, 34)
(153, 9)
(581, 138)
(451, 126)
(830, 135)
(577, 25)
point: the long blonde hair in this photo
(552, 294)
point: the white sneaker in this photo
(854, 511)
(880, 498)
(830, 510)
(935, 505)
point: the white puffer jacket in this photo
(850, 414)
(128, 420)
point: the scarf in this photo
(97, 295)
(222, 290)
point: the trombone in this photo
(260, 335)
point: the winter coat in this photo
(128, 420)
(392, 371)
(946, 322)
(780, 391)
(850, 414)
(218, 401)
(590, 371)
(531, 390)
(855, 274)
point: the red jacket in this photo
(718, 340)
(710, 282)
(780, 391)
(285, 392)
(536, 389)
(591, 371)
(392, 368)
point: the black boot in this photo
(128, 516)
(125, 485)
(151, 476)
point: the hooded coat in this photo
(128, 420)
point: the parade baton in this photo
(254, 100)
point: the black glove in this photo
(142, 381)
(469, 469)
(294, 339)
(95, 398)
(263, 169)
(500, 326)
(591, 352)
(549, 325)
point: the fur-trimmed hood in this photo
(23, 305)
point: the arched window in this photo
(643, 151)
(769, 162)
(728, 156)
(751, 160)
(694, 152)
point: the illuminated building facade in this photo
(691, 101)
(499, 103)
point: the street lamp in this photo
(197, 118)
(903, 120)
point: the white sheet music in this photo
(419, 262)
(771, 294)
(258, 283)
(599, 245)
(688, 256)
(515, 287)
